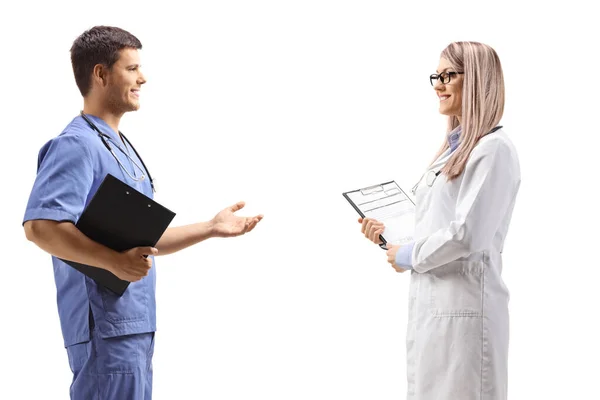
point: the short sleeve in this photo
(64, 180)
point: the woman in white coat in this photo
(457, 336)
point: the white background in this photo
(287, 104)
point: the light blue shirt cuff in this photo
(404, 256)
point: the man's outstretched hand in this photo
(227, 224)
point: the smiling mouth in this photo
(135, 92)
(444, 97)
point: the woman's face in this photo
(450, 93)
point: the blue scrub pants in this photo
(118, 368)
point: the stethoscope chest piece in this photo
(431, 177)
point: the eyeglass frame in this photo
(436, 77)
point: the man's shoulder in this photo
(75, 137)
(79, 130)
(75, 133)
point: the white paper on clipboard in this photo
(387, 203)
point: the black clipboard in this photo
(121, 218)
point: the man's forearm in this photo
(180, 237)
(64, 240)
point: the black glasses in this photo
(444, 77)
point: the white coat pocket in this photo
(456, 289)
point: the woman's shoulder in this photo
(495, 149)
(498, 141)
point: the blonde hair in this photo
(482, 99)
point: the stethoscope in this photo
(105, 138)
(431, 175)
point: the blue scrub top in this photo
(70, 169)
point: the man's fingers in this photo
(139, 276)
(132, 278)
(252, 225)
(148, 251)
(237, 206)
(140, 271)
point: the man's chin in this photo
(133, 107)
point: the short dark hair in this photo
(98, 45)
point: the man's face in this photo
(124, 81)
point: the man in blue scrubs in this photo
(109, 339)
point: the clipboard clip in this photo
(371, 190)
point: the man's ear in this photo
(100, 75)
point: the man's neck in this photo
(111, 118)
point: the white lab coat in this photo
(457, 339)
